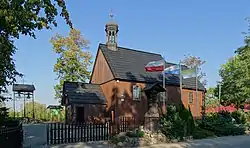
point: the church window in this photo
(112, 37)
(190, 97)
(136, 92)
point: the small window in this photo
(190, 97)
(136, 92)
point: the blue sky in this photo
(208, 29)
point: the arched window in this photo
(109, 36)
(112, 37)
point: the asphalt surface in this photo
(34, 135)
(221, 142)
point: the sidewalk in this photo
(84, 145)
(221, 142)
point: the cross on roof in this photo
(111, 15)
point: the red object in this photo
(229, 108)
(154, 68)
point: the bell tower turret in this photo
(111, 33)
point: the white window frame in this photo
(190, 99)
(136, 92)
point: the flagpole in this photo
(164, 86)
(180, 81)
(196, 86)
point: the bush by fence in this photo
(11, 137)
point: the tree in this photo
(233, 89)
(73, 62)
(191, 62)
(211, 98)
(243, 54)
(40, 110)
(23, 17)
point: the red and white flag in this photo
(155, 66)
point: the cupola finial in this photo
(111, 33)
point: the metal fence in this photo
(11, 137)
(61, 133)
(126, 124)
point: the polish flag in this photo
(155, 66)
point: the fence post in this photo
(47, 131)
(71, 131)
(21, 132)
(108, 130)
(81, 132)
(58, 133)
(75, 132)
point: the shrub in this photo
(11, 122)
(221, 124)
(3, 114)
(177, 123)
(200, 133)
(137, 133)
(116, 139)
(239, 116)
(248, 116)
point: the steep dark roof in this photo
(128, 64)
(78, 92)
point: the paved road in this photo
(34, 135)
(222, 142)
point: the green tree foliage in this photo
(193, 61)
(41, 112)
(221, 124)
(211, 98)
(243, 54)
(74, 60)
(23, 17)
(234, 89)
(177, 123)
(235, 75)
(239, 116)
(39, 109)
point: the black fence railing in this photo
(11, 137)
(126, 124)
(60, 133)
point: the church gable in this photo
(114, 62)
(101, 71)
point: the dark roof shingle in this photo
(129, 64)
(78, 92)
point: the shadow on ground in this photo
(221, 142)
(34, 135)
(85, 145)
